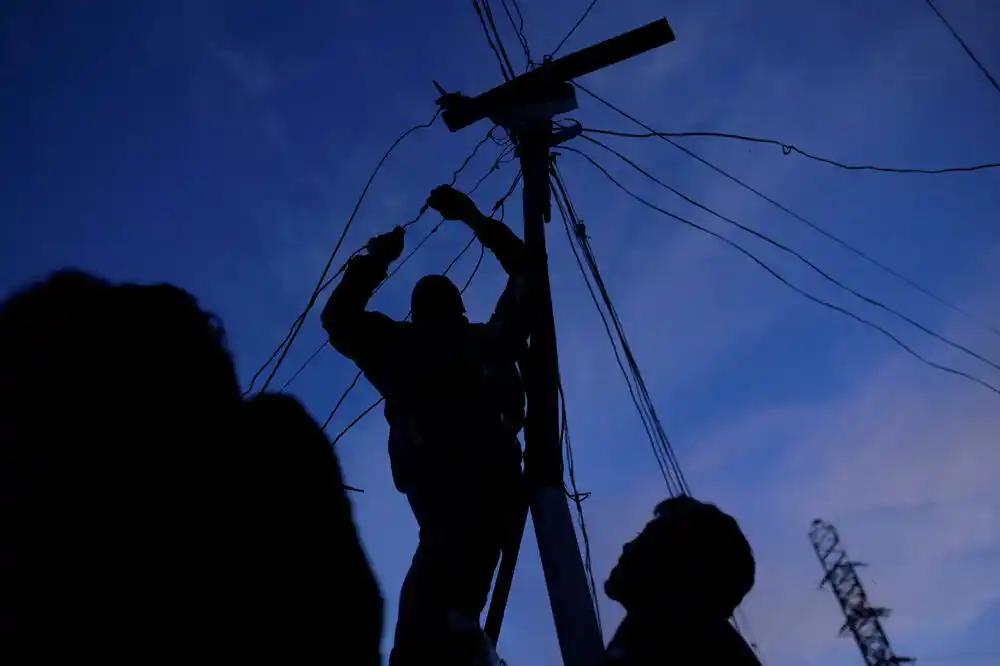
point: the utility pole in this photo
(526, 106)
(861, 618)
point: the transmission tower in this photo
(862, 619)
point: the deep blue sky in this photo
(221, 146)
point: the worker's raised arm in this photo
(509, 318)
(354, 331)
(494, 234)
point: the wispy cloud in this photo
(255, 75)
(902, 460)
(898, 456)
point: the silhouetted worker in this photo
(148, 513)
(680, 581)
(454, 404)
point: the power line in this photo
(301, 368)
(964, 46)
(666, 458)
(412, 252)
(663, 451)
(343, 397)
(518, 26)
(788, 148)
(576, 25)
(324, 344)
(497, 48)
(611, 338)
(662, 440)
(798, 256)
(801, 291)
(357, 377)
(356, 421)
(297, 326)
(577, 497)
(286, 343)
(496, 35)
(982, 323)
(460, 255)
(475, 270)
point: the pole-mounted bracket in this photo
(538, 111)
(544, 88)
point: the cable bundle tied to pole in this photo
(655, 432)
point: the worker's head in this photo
(437, 301)
(691, 555)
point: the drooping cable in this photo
(663, 452)
(578, 498)
(475, 269)
(518, 27)
(788, 148)
(875, 262)
(340, 401)
(499, 205)
(799, 256)
(409, 256)
(495, 46)
(297, 326)
(784, 281)
(576, 25)
(571, 233)
(583, 241)
(674, 477)
(300, 320)
(965, 47)
(416, 248)
(488, 10)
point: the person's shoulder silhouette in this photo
(679, 581)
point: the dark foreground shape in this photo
(149, 514)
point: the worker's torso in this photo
(447, 393)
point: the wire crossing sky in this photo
(221, 146)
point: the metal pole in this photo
(580, 639)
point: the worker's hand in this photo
(388, 245)
(452, 204)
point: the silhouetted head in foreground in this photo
(75, 338)
(437, 301)
(691, 558)
(147, 510)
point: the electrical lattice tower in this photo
(862, 619)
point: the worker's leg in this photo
(461, 532)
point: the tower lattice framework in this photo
(862, 619)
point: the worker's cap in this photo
(436, 297)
